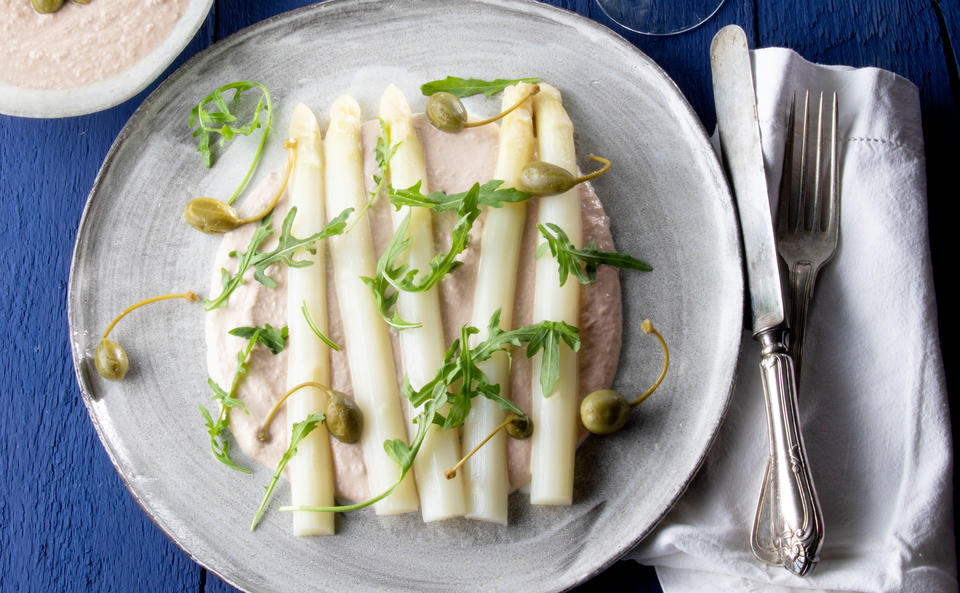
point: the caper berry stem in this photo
(531, 92)
(264, 433)
(452, 472)
(291, 145)
(598, 172)
(647, 328)
(189, 296)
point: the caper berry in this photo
(519, 427)
(446, 112)
(545, 179)
(211, 215)
(82, 1)
(344, 419)
(540, 178)
(604, 411)
(111, 360)
(46, 6)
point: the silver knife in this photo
(788, 529)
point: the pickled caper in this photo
(211, 216)
(446, 112)
(111, 360)
(604, 411)
(344, 419)
(519, 427)
(46, 6)
(540, 178)
(545, 179)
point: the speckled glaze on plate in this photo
(668, 202)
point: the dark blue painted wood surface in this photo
(66, 521)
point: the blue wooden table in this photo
(66, 521)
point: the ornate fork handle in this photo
(788, 529)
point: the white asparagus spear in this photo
(367, 341)
(422, 348)
(486, 473)
(555, 417)
(311, 469)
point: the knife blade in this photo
(788, 528)
(740, 140)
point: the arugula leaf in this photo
(227, 400)
(383, 152)
(220, 447)
(569, 258)
(218, 121)
(288, 246)
(465, 87)
(443, 263)
(384, 293)
(231, 282)
(269, 336)
(548, 338)
(490, 194)
(461, 379)
(399, 452)
(275, 340)
(392, 276)
(298, 433)
(316, 330)
(283, 253)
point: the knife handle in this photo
(788, 528)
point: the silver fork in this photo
(808, 222)
(808, 216)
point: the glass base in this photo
(660, 17)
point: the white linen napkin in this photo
(873, 401)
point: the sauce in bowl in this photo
(81, 43)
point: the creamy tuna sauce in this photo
(454, 163)
(81, 43)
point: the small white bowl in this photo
(112, 91)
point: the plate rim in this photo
(552, 13)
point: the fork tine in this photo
(833, 192)
(814, 222)
(801, 179)
(785, 201)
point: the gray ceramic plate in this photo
(669, 204)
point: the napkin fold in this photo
(873, 401)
